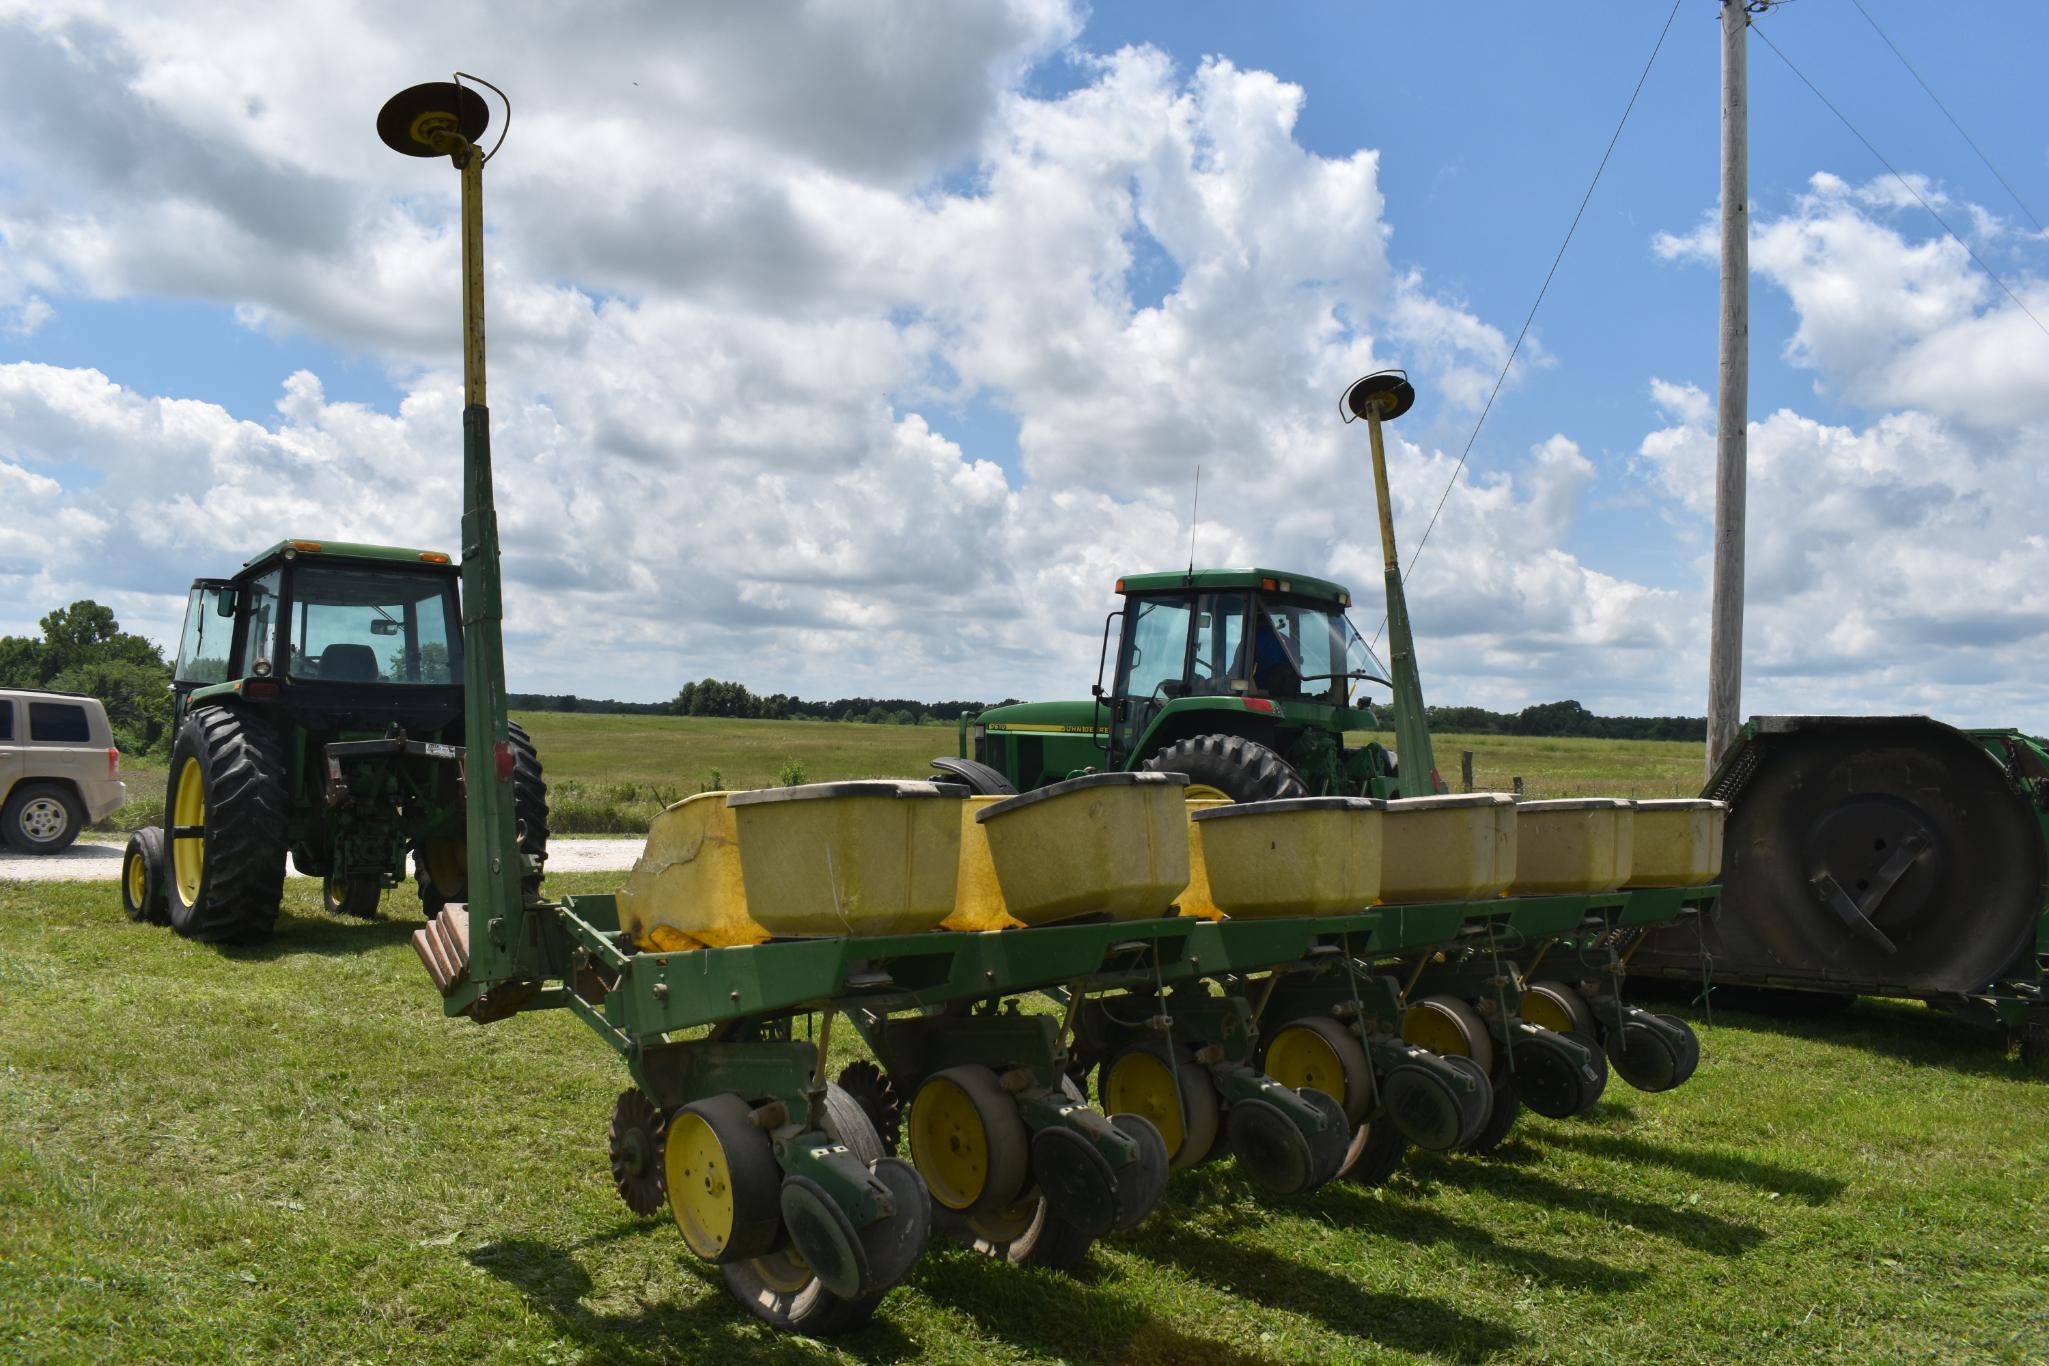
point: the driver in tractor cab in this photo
(1273, 665)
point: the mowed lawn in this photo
(288, 1153)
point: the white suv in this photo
(59, 770)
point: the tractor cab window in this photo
(1155, 648)
(1302, 650)
(356, 625)
(259, 639)
(209, 634)
(1220, 665)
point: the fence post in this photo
(1518, 788)
(1465, 769)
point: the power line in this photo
(1502, 378)
(1946, 114)
(1905, 184)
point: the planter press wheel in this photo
(1375, 1152)
(1450, 1028)
(786, 1289)
(1142, 1080)
(1028, 1232)
(968, 1141)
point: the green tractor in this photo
(1243, 679)
(319, 714)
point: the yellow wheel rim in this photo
(785, 1272)
(1427, 1027)
(1139, 1083)
(135, 879)
(949, 1146)
(700, 1184)
(188, 852)
(1303, 1057)
(1203, 792)
(1541, 1010)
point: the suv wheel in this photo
(42, 818)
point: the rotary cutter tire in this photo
(1143, 1080)
(968, 1140)
(1321, 1054)
(634, 1140)
(723, 1180)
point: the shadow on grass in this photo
(322, 935)
(1889, 1027)
(1712, 1166)
(1077, 1317)
(1697, 1229)
(1403, 1221)
(1298, 1285)
(711, 1327)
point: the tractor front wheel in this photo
(225, 870)
(1231, 767)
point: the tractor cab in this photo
(344, 637)
(1244, 679)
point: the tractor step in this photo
(444, 948)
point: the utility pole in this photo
(1732, 407)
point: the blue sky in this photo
(869, 331)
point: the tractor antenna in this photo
(1194, 507)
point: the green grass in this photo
(287, 1153)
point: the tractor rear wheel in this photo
(441, 866)
(1229, 766)
(225, 870)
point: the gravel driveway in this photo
(96, 862)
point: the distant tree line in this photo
(84, 650)
(1568, 718)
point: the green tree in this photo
(84, 650)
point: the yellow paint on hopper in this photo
(1458, 848)
(1112, 844)
(1296, 856)
(1678, 843)
(688, 882)
(1580, 845)
(1195, 900)
(978, 897)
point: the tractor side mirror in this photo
(381, 627)
(228, 601)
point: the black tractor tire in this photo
(351, 896)
(42, 818)
(1243, 770)
(241, 766)
(530, 824)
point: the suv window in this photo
(58, 723)
(6, 718)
